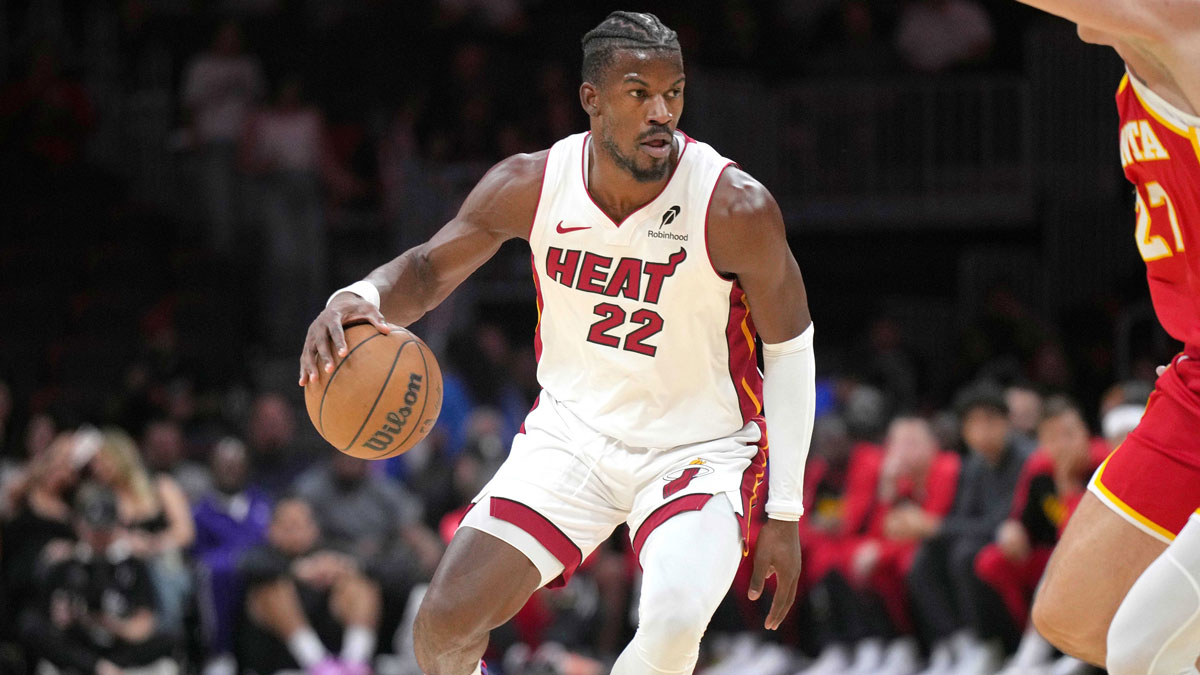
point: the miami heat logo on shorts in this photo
(679, 478)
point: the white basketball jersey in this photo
(638, 335)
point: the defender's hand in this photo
(326, 337)
(777, 552)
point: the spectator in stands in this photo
(163, 448)
(477, 374)
(1127, 392)
(1024, 412)
(156, 516)
(887, 363)
(230, 520)
(220, 86)
(942, 582)
(1119, 421)
(41, 516)
(375, 520)
(896, 499)
(446, 485)
(97, 613)
(284, 147)
(937, 35)
(276, 455)
(40, 432)
(1051, 485)
(303, 598)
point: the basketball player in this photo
(656, 262)
(1136, 523)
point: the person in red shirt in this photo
(1136, 523)
(895, 499)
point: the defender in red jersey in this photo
(1123, 586)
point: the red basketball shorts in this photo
(1153, 478)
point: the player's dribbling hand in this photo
(326, 336)
(777, 552)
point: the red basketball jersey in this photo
(1160, 152)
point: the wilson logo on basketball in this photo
(383, 437)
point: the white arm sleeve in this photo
(789, 397)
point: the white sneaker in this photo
(222, 664)
(772, 659)
(981, 658)
(868, 656)
(902, 657)
(833, 660)
(741, 650)
(941, 660)
(1034, 656)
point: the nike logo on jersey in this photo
(564, 230)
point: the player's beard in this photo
(655, 172)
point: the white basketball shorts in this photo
(565, 487)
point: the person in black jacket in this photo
(942, 582)
(98, 610)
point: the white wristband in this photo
(363, 289)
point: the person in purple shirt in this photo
(229, 520)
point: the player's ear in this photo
(589, 98)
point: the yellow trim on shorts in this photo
(1127, 509)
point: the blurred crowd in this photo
(164, 505)
(168, 548)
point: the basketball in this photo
(381, 399)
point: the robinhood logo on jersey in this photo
(668, 217)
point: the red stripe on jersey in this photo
(537, 330)
(663, 513)
(533, 407)
(743, 368)
(545, 532)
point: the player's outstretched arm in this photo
(500, 207)
(1147, 19)
(747, 239)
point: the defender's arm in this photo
(1147, 19)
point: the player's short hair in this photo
(619, 31)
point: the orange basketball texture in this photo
(381, 399)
